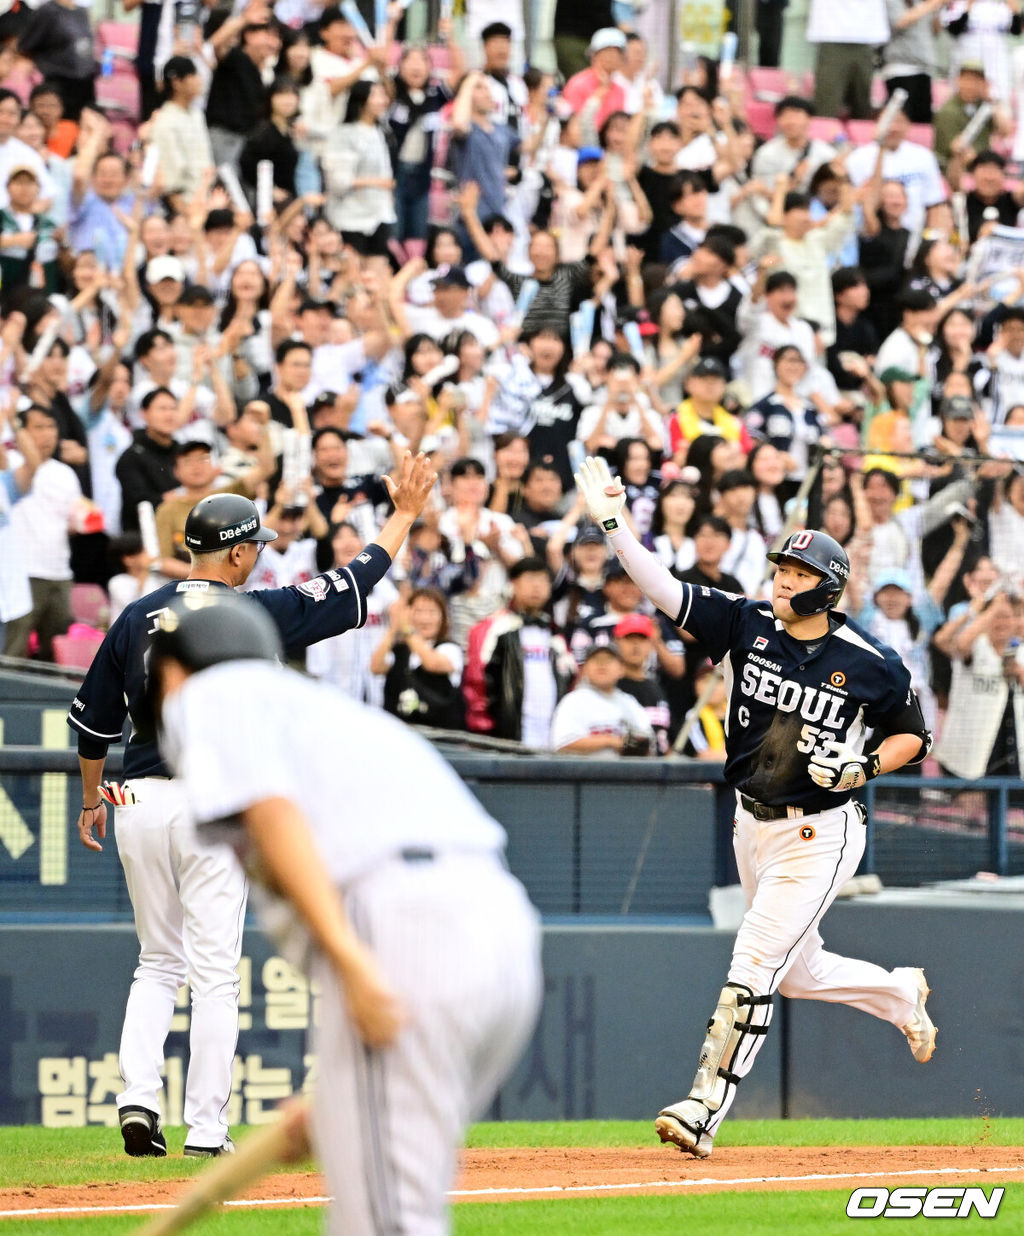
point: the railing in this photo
(587, 837)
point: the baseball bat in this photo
(284, 1141)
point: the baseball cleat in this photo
(140, 1129)
(920, 1030)
(683, 1126)
(210, 1152)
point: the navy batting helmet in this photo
(823, 555)
(201, 629)
(223, 520)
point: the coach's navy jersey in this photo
(115, 686)
(784, 701)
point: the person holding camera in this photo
(983, 734)
(597, 718)
(625, 413)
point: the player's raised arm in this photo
(605, 498)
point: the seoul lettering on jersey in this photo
(788, 700)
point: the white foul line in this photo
(522, 1190)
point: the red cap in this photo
(634, 624)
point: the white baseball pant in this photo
(189, 902)
(791, 871)
(460, 944)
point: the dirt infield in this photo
(518, 1174)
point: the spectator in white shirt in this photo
(40, 523)
(597, 718)
(792, 150)
(450, 313)
(767, 320)
(625, 412)
(912, 165)
(908, 346)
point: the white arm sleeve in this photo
(651, 576)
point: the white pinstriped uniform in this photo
(418, 863)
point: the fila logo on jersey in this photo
(807, 833)
(761, 642)
(788, 696)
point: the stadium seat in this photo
(922, 135)
(76, 650)
(761, 117)
(770, 85)
(826, 128)
(860, 132)
(90, 604)
(942, 88)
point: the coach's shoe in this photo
(210, 1152)
(684, 1125)
(141, 1131)
(920, 1030)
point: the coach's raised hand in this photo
(416, 478)
(603, 493)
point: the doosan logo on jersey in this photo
(813, 705)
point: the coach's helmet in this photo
(824, 555)
(223, 520)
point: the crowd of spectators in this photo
(327, 246)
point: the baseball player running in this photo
(189, 899)
(804, 686)
(384, 879)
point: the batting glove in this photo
(118, 795)
(838, 767)
(602, 492)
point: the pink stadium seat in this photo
(860, 132)
(122, 37)
(770, 85)
(118, 94)
(761, 117)
(826, 128)
(942, 88)
(22, 78)
(89, 604)
(921, 135)
(76, 650)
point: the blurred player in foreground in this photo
(382, 876)
(804, 687)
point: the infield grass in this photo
(735, 1214)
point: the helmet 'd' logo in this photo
(807, 833)
(801, 540)
(838, 679)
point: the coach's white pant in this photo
(791, 871)
(189, 903)
(460, 944)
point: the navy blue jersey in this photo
(785, 700)
(115, 686)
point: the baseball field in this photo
(601, 1178)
